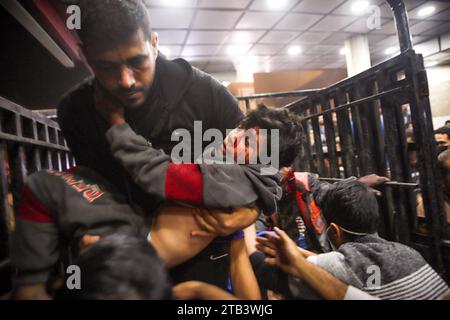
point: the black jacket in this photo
(180, 95)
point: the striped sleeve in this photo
(424, 284)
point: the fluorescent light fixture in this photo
(343, 51)
(174, 3)
(237, 50)
(360, 7)
(165, 50)
(277, 4)
(391, 51)
(294, 50)
(431, 64)
(426, 11)
(241, 37)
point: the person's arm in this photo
(35, 241)
(34, 291)
(243, 279)
(284, 253)
(213, 186)
(196, 290)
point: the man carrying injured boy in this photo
(58, 209)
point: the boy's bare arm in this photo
(243, 279)
(177, 236)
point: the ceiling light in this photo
(174, 3)
(360, 7)
(241, 37)
(294, 50)
(391, 50)
(237, 50)
(426, 11)
(431, 64)
(165, 50)
(277, 4)
(343, 51)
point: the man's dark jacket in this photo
(179, 96)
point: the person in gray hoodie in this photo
(362, 259)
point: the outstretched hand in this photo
(281, 251)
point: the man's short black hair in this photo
(351, 205)
(443, 130)
(447, 122)
(120, 267)
(107, 23)
(289, 126)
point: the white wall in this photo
(439, 84)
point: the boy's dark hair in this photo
(107, 23)
(351, 205)
(289, 126)
(443, 130)
(120, 267)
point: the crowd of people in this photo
(139, 225)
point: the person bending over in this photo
(384, 269)
(119, 266)
(58, 209)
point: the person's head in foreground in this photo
(351, 210)
(119, 45)
(248, 141)
(120, 267)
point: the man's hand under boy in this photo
(215, 223)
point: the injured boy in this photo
(58, 209)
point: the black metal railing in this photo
(28, 142)
(360, 126)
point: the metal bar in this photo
(247, 105)
(297, 93)
(317, 140)
(10, 106)
(396, 184)
(13, 138)
(363, 136)
(374, 116)
(330, 137)
(357, 102)
(345, 135)
(5, 205)
(308, 160)
(423, 128)
(402, 24)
